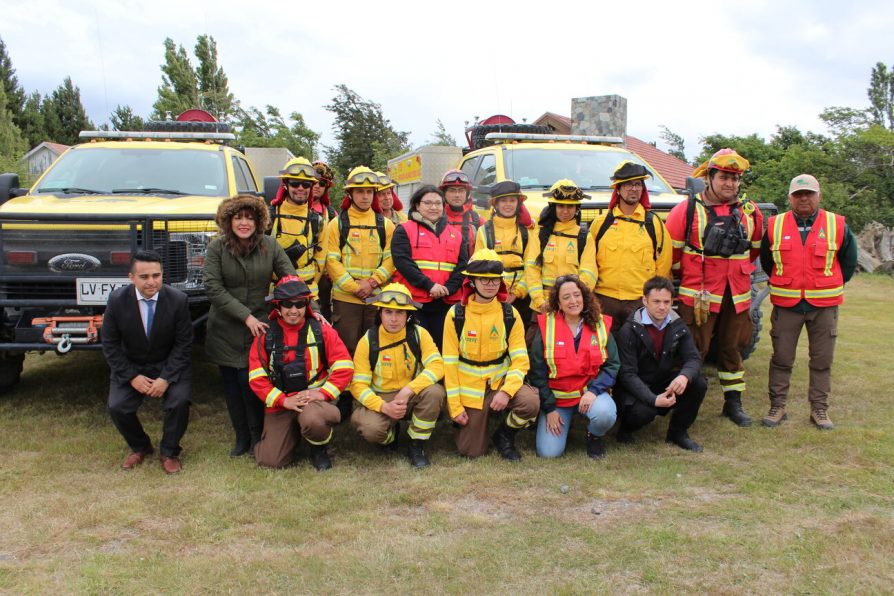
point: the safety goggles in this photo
(385, 181)
(364, 178)
(299, 169)
(287, 304)
(299, 183)
(397, 298)
(566, 278)
(568, 193)
(457, 178)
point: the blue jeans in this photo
(601, 415)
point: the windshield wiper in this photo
(598, 187)
(147, 190)
(73, 190)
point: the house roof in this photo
(674, 170)
(57, 148)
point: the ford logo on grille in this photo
(73, 262)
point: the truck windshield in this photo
(590, 170)
(138, 170)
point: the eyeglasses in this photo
(634, 184)
(299, 183)
(362, 177)
(287, 304)
(297, 169)
(398, 298)
(489, 281)
(456, 178)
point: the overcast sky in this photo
(697, 67)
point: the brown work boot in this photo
(821, 419)
(775, 416)
(135, 459)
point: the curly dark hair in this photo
(591, 312)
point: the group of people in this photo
(397, 320)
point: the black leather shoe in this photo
(626, 437)
(595, 447)
(681, 439)
(504, 442)
(416, 452)
(732, 409)
(319, 457)
(243, 446)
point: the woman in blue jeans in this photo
(574, 362)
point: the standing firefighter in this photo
(320, 203)
(388, 200)
(810, 254)
(716, 238)
(396, 372)
(297, 368)
(630, 245)
(297, 227)
(485, 362)
(460, 211)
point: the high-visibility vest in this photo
(570, 372)
(716, 272)
(436, 257)
(806, 270)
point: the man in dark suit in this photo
(660, 368)
(147, 340)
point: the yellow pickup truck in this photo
(66, 242)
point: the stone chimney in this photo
(604, 115)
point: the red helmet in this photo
(455, 178)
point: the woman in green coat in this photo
(239, 266)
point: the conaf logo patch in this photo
(73, 262)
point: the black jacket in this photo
(642, 377)
(166, 354)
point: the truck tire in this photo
(10, 370)
(177, 126)
(479, 132)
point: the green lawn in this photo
(787, 510)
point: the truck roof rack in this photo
(519, 136)
(158, 136)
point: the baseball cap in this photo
(803, 182)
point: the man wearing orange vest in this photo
(716, 237)
(810, 254)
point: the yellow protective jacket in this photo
(361, 258)
(290, 225)
(624, 257)
(559, 258)
(508, 244)
(483, 339)
(396, 367)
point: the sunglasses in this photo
(297, 169)
(394, 297)
(299, 183)
(362, 177)
(457, 178)
(287, 304)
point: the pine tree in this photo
(64, 115)
(123, 118)
(15, 95)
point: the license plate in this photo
(94, 291)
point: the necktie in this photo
(150, 312)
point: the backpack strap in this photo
(490, 238)
(459, 321)
(411, 338)
(582, 239)
(344, 225)
(648, 224)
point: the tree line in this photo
(854, 161)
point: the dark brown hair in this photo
(591, 312)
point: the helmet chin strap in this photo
(456, 209)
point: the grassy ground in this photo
(791, 510)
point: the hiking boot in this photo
(595, 447)
(625, 436)
(504, 442)
(416, 453)
(774, 417)
(821, 419)
(732, 409)
(319, 457)
(681, 439)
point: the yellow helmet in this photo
(726, 160)
(385, 181)
(362, 177)
(299, 169)
(396, 296)
(484, 263)
(565, 192)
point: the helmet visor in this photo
(456, 178)
(299, 169)
(364, 178)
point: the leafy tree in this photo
(675, 143)
(15, 95)
(363, 135)
(32, 124)
(183, 88)
(123, 118)
(64, 115)
(12, 143)
(269, 129)
(881, 96)
(442, 137)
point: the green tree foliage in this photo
(362, 134)
(33, 126)
(442, 137)
(12, 143)
(183, 88)
(123, 118)
(15, 95)
(675, 143)
(64, 115)
(881, 96)
(269, 129)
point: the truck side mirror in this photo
(9, 187)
